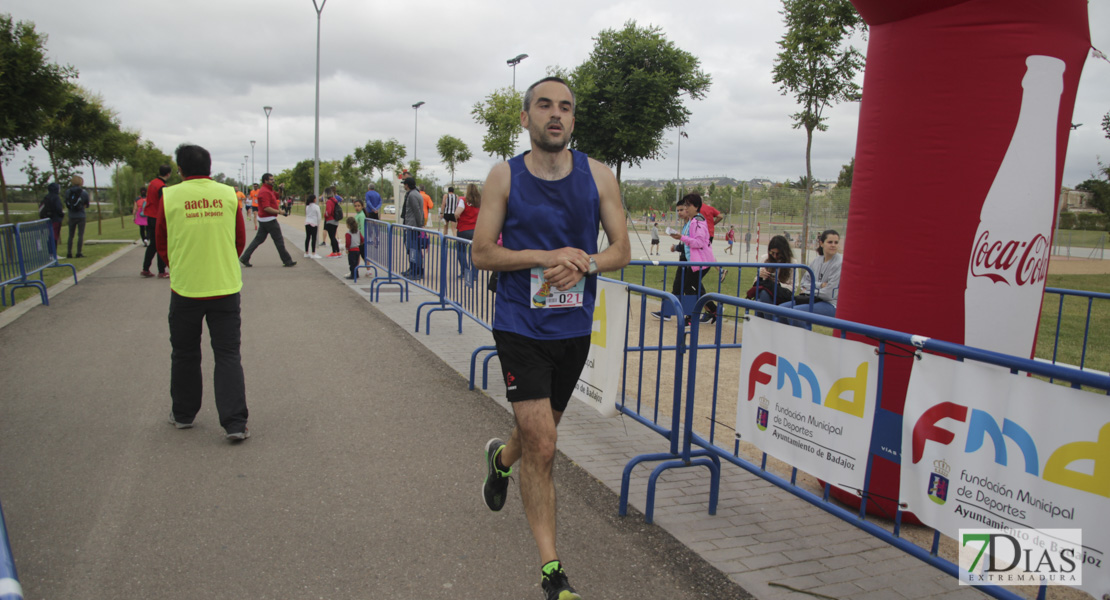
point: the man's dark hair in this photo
(410, 182)
(450, 189)
(193, 161)
(266, 176)
(691, 199)
(164, 170)
(531, 92)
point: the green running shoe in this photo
(554, 582)
(497, 481)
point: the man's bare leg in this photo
(533, 440)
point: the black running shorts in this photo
(450, 218)
(535, 369)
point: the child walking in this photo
(311, 225)
(353, 245)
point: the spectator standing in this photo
(712, 217)
(547, 205)
(730, 237)
(360, 221)
(467, 219)
(311, 225)
(747, 241)
(53, 209)
(654, 239)
(204, 287)
(332, 218)
(428, 204)
(412, 214)
(153, 212)
(373, 202)
(268, 224)
(252, 205)
(353, 243)
(140, 218)
(447, 209)
(694, 247)
(77, 200)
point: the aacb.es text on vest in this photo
(549, 166)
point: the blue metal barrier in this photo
(379, 256)
(35, 251)
(9, 258)
(9, 579)
(885, 337)
(1090, 297)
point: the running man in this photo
(547, 203)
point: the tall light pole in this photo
(267, 109)
(513, 62)
(316, 156)
(416, 116)
(252, 160)
(678, 170)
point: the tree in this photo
(844, 180)
(628, 92)
(377, 155)
(818, 66)
(145, 158)
(1100, 193)
(452, 151)
(29, 88)
(500, 113)
(1106, 124)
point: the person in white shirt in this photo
(311, 225)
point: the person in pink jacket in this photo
(694, 247)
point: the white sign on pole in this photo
(982, 447)
(600, 379)
(808, 399)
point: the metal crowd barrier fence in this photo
(694, 445)
(379, 258)
(9, 579)
(33, 247)
(1090, 297)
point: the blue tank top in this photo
(547, 215)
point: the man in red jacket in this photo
(268, 211)
(153, 212)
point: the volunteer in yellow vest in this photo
(201, 233)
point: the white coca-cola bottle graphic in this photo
(1009, 256)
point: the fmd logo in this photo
(856, 385)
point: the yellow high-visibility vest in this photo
(200, 219)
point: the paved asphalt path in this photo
(361, 478)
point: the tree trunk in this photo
(618, 175)
(809, 190)
(4, 193)
(119, 199)
(99, 230)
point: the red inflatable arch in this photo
(963, 127)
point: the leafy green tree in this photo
(95, 137)
(1106, 124)
(844, 180)
(818, 66)
(500, 113)
(37, 180)
(29, 87)
(452, 151)
(145, 158)
(1100, 193)
(669, 194)
(377, 155)
(629, 91)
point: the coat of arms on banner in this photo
(938, 482)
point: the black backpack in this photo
(73, 199)
(337, 212)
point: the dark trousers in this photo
(354, 259)
(687, 282)
(331, 229)
(310, 237)
(415, 254)
(464, 253)
(57, 226)
(266, 229)
(186, 379)
(152, 250)
(79, 225)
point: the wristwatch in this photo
(593, 267)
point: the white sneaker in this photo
(306, 254)
(316, 256)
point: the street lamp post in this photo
(678, 170)
(252, 160)
(416, 113)
(316, 156)
(267, 109)
(513, 62)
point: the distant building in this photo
(1076, 201)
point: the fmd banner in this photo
(600, 379)
(984, 448)
(808, 399)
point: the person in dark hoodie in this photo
(54, 210)
(76, 201)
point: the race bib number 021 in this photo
(544, 295)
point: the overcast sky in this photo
(201, 71)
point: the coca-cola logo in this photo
(1025, 262)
